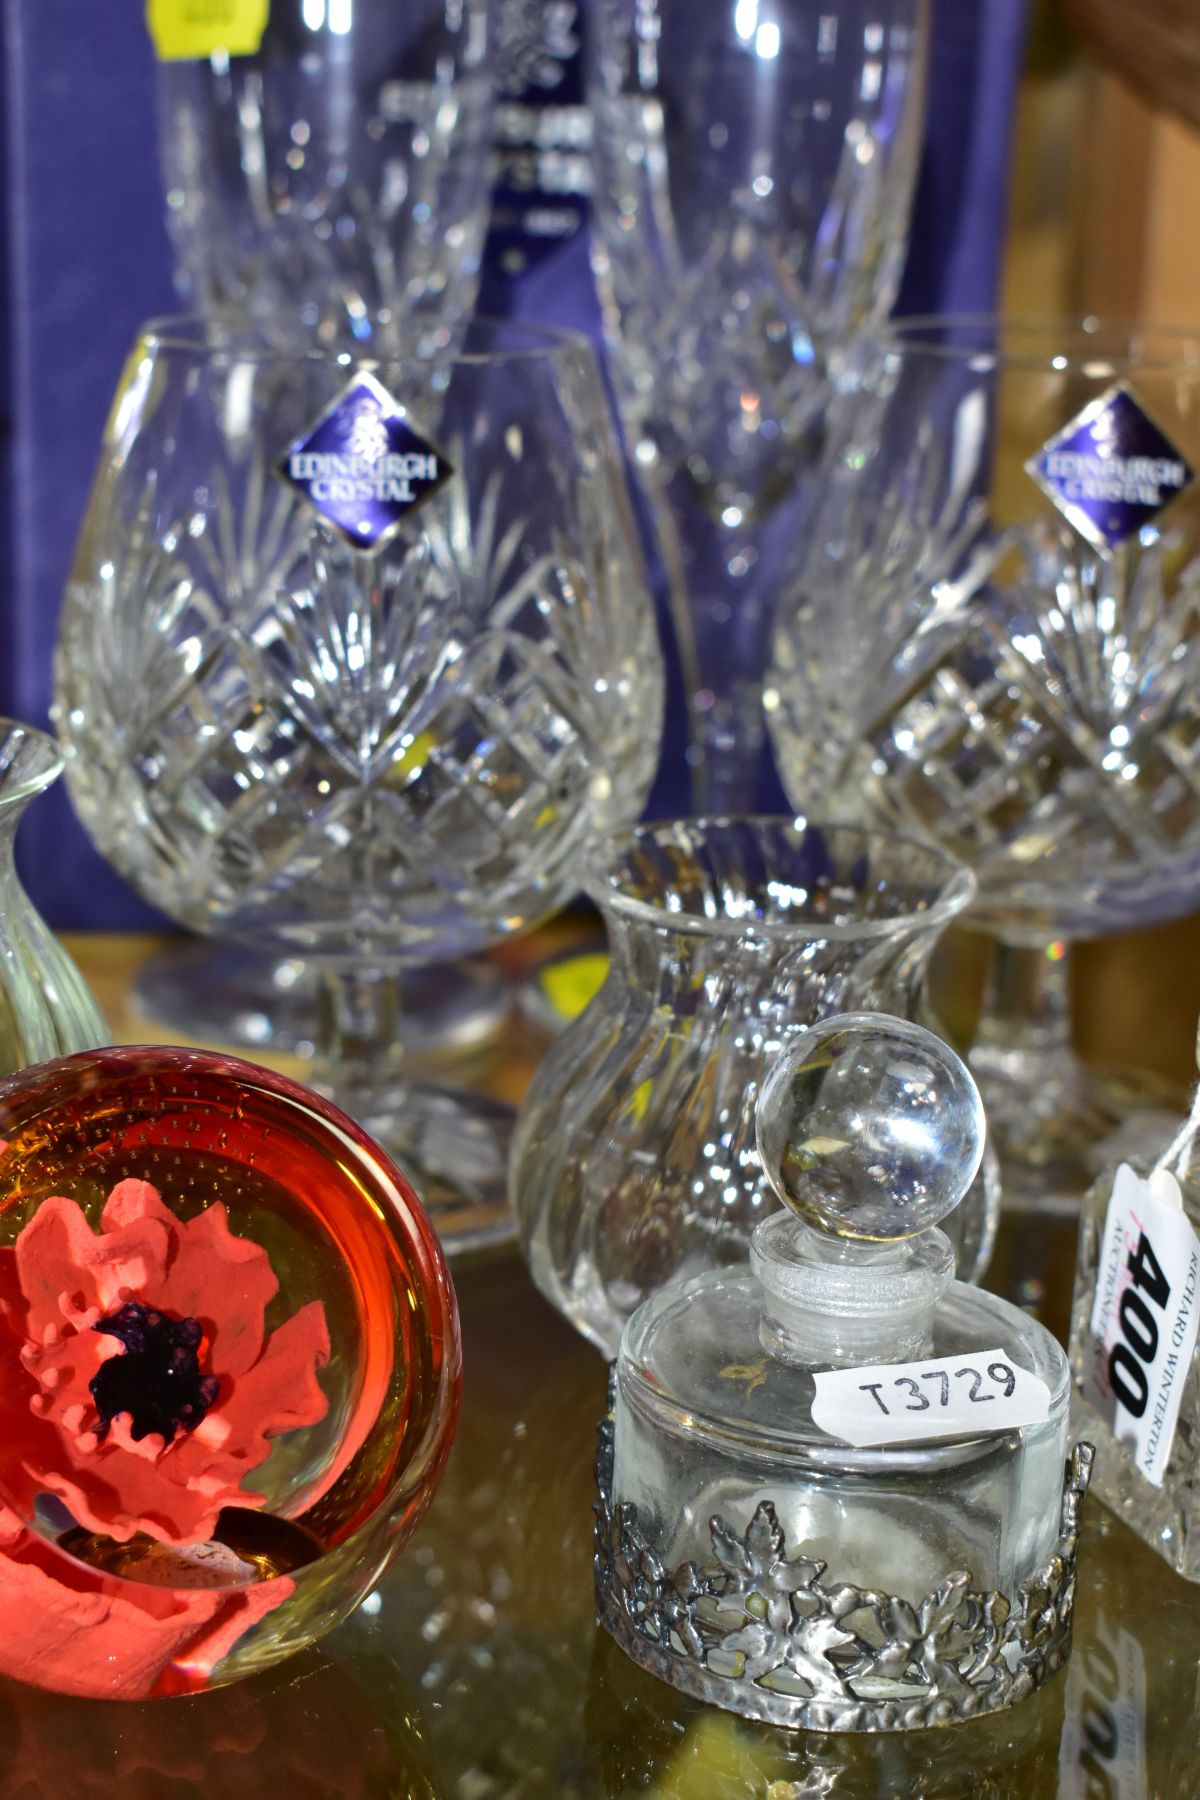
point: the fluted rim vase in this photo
(46, 1007)
(634, 1159)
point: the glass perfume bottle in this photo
(832, 1484)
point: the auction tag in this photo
(184, 30)
(1103, 1745)
(1144, 1316)
(946, 1396)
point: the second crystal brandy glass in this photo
(355, 662)
(993, 640)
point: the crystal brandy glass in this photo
(231, 1370)
(365, 731)
(754, 169)
(335, 179)
(992, 640)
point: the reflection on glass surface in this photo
(330, 1731)
(1133, 1687)
(644, 1737)
(491, 1624)
(475, 1672)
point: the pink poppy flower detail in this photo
(139, 1385)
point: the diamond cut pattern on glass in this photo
(1052, 738)
(418, 769)
(363, 466)
(1110, 470)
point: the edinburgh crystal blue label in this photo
(364, 466)
(1111, 470)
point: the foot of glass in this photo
(222, 993)
(1056, 1122)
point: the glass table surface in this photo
(476, 1670)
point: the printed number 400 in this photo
(1137, 1348)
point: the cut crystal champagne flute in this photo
(355, 661)
(754, 169)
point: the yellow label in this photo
(572, 984)
(414, 758)
(191, 29)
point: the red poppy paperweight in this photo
(229, 1370)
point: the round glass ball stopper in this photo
(869, 1127)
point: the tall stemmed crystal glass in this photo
(355, 662)
(993, 639)
(754, 169)
(337, 178)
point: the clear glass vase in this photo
(46, 1009)
(634, 1159)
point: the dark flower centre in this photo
(157, 1381)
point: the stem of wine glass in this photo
(720, 636)
(359, 1057)
(1036, 1092)
(1056, 1123)
(1026, 1003)
(1049, 1117)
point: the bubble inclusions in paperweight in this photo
(832, 1490)
(229, 1370)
